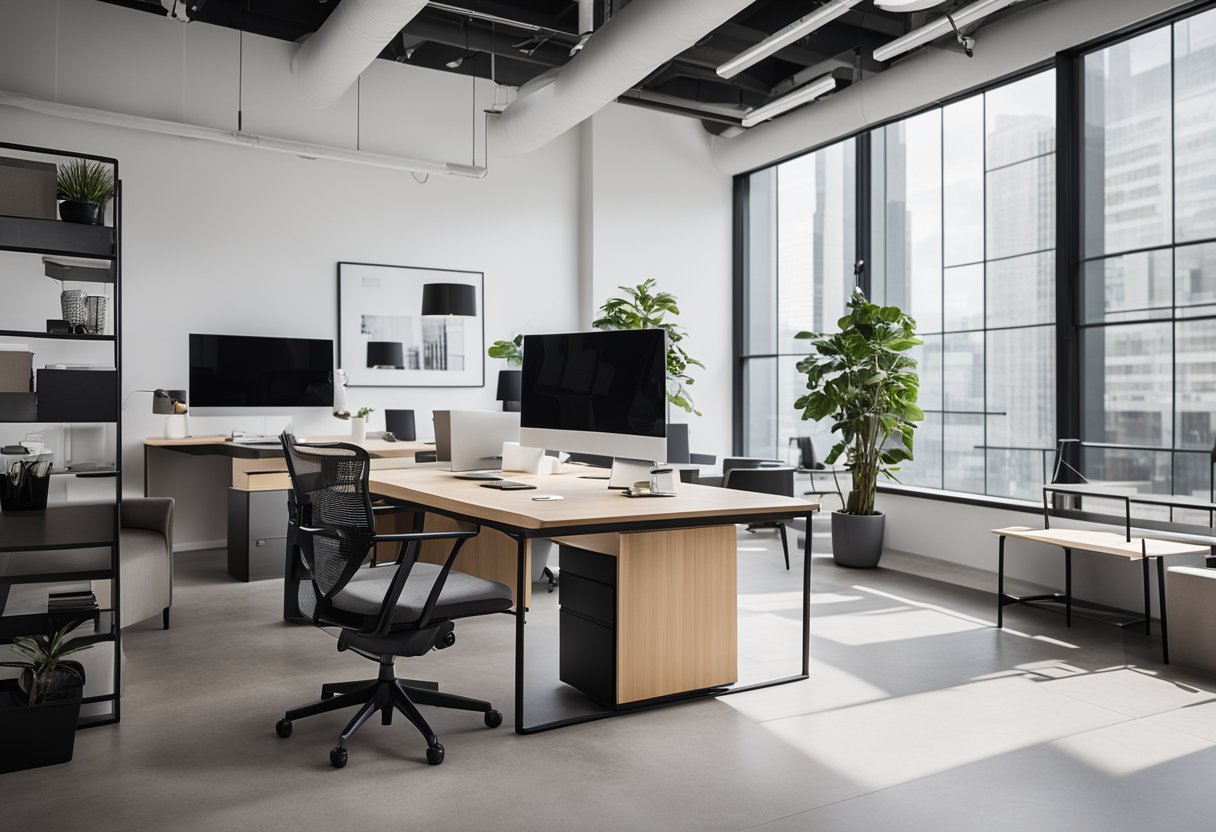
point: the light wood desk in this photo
(676, 610)
(257, 502)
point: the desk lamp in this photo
(172, 405)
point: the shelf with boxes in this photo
(60, 379)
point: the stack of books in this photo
(61, 603)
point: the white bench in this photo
(1114, 544)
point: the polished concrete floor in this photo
(918, 713)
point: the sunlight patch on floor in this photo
(946, 728)
(879, 626)
(1124, 750)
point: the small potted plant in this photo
(864, 381)
(510, 380)
(85, 188)
(39, 710)
(642, 308)
(358, 425)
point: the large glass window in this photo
(1147, 279)
(961, 210)
(801, 218)
(964, 239)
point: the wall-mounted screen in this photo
(246, 371)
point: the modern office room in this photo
(607, 414)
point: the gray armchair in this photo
(146, 559)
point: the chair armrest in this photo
(405, 537)
(391, 509)
(154, 514)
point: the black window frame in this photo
(1069, 73)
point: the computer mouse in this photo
(388, 437)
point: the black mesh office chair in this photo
(405, 610)
(765, 479)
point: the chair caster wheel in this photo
(337, 757)
(434, 754)
(283, 728)
(493, 719)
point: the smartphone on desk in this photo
(508, 485)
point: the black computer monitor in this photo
(596, 392)
(243, 372)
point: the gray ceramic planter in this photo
(857, 539)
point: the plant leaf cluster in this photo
(43, 657)
(511, 350)
(640, 307)
(85, 181)
(863, 380)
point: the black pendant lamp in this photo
(449, 299)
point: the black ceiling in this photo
(514, 54)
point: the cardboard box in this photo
(28, 189)
(16, 369)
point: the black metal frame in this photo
(113, 573)
(481, 313)
(521, 536)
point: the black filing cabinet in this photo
(257, 534)
(588, 623)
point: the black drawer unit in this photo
(587, 652)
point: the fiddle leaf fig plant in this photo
(863, 379)
(511, 350)
(640, 307)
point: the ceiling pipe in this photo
(305, 150)
(355, 33)
(1031, 36)
(631, 45)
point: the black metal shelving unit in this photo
(68, 542)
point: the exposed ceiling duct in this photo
(329, 61)
(624, 51)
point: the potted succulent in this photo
(864, 380)
(510, 380)
(358, 425)
(39, 710)
(85, 188)
(642, 308)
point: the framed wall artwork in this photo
(384, 340)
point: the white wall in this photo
(228, 239)
(658, 208)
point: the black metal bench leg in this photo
(1000, 581)
(1165, 636)
(1068, 587)
(1148, 617)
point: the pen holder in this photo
(25, 483)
